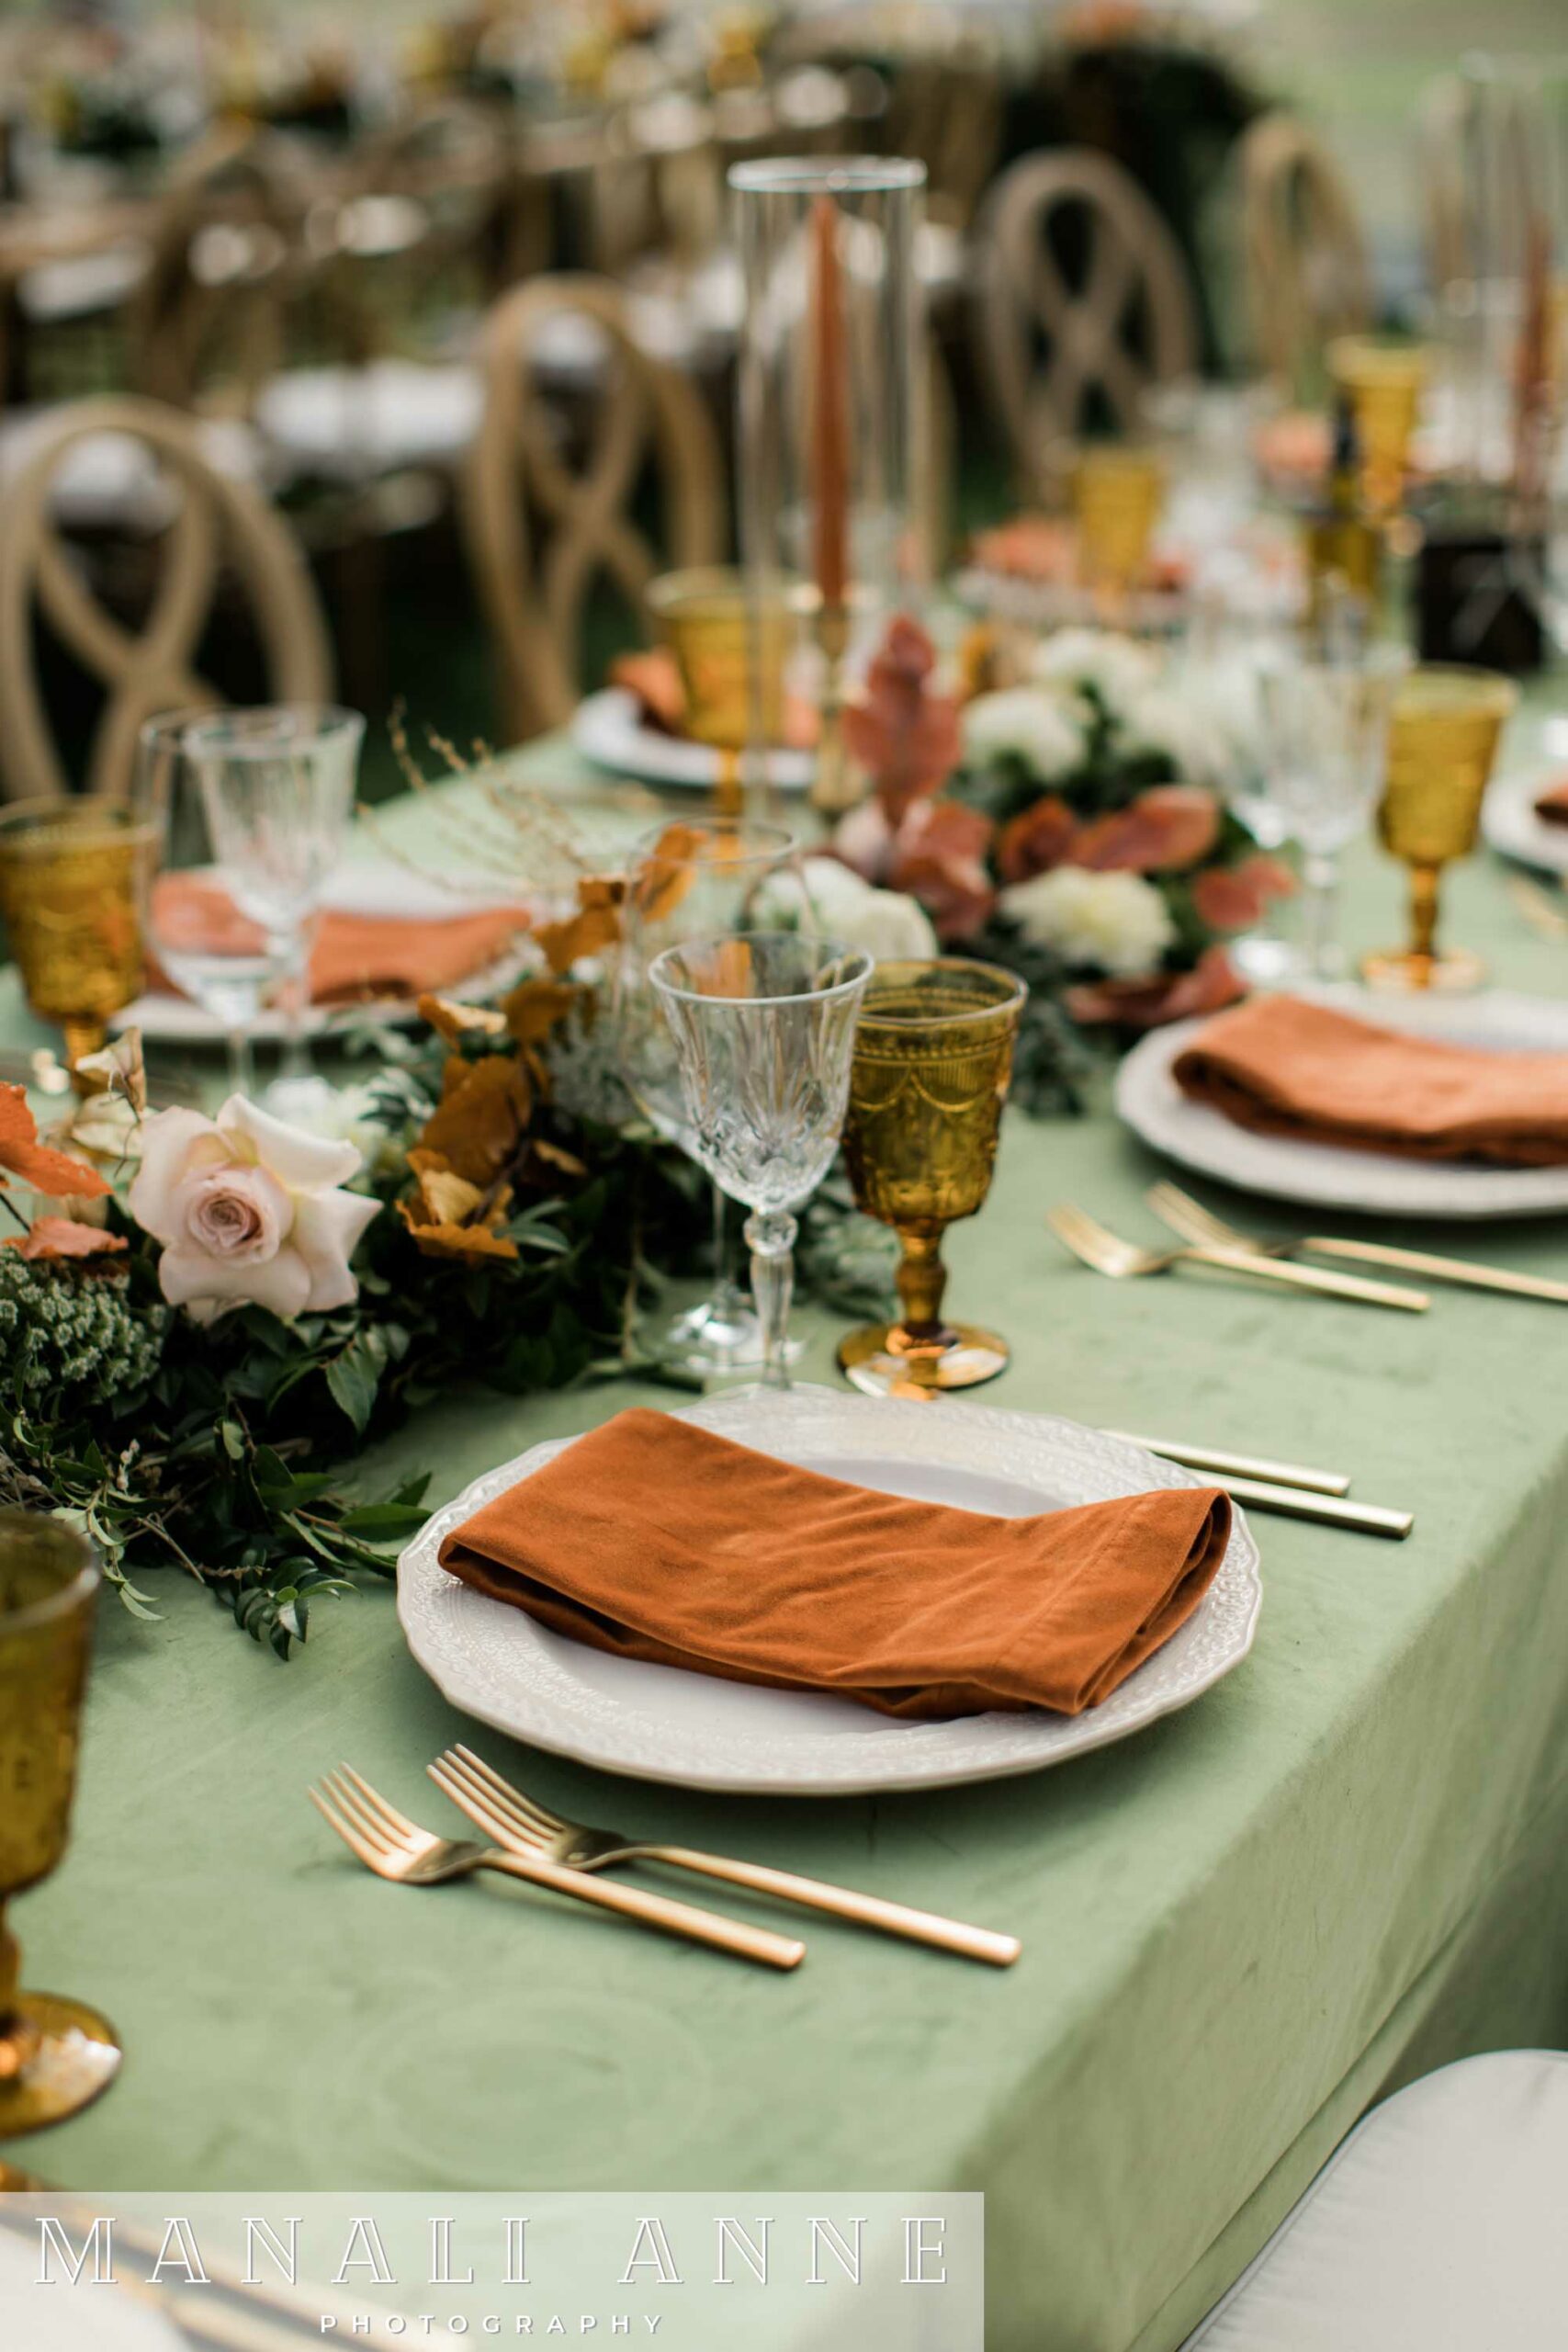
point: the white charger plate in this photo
(1371, 1183)
(608, 728)
(658, 1723)
(1511, 826)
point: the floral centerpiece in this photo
(1066, 820)
(202, 1319)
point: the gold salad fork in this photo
(397, 1848)
(524, 1827)
(1195, 1223)
(1109, 1254)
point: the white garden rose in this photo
(249, 1211)
(826, 897)
(1116, 667)
(1115, 922)
(1041, 728)
(1187, 728)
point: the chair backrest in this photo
(542, 532)
(210, 314)
(1304, 257)
(218, 528)
(947, 112)
(1084, 302)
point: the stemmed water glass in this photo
(193, 927)
(689, 881)
(277, 785)
(765, 1024)
(1325, 737)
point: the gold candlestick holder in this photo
(55, 2054)
(71, 889)
(933, 1056)
(1443, 736)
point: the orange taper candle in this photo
(830, 411)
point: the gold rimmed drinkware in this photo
(1443, 736)
(933, 1054)
(70, 892)
(55, 2054)
(1117, 496)
(731, 661)
(1383, 382)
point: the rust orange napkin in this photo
(1551, 806)
(1287, 1068)
(355, 955)
(654, 1539)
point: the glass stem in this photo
(921, 1279)
(770, 1235)
(242, 1062)
(16, 2041)
(293, 994)
(1424, 913)
(726, 1299)
(1320, 877)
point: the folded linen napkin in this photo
(1287, 1068)
(1551, 806)
(355, 955)
(654, 1539)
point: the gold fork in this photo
(1195, 1223)
(524, 1826)
(1109, 1254)
(397, 1848)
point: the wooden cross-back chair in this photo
(947, 112)
(542, 531)
(1060, 343)
(209, 321)
(1304, 258)
(220, 528)
(484, 221)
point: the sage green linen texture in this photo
(1339, 1868)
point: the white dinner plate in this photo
(658, 1723)
(364, 886)
(1371, 1183)
(1511, 826)
(608, 729)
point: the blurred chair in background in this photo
(209, 529)
(1304, 258)
(1084, 303)
(575, 415)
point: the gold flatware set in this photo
(1108, 1253)
(566, 1858)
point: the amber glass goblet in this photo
(1117, 496)
(71, 888)
(1383, 382)
(704, 616)
(1442, 740)
(55, 2054)
(933, 1054)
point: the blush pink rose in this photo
(249, 1211)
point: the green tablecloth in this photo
(1341, 1867)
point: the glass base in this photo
(302, 1102)
(882, 1360)
(720, 1337)
(76, 2058)
(1402, 972)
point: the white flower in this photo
(1116, 667)
(1042, 730)
(826, 897)
(248, 1209)
(1114, 922)
(1186, 727)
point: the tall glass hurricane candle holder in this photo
(764, 1025)
(830, 414)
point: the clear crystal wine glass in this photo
(1325, 731)
(191, 922)
(278, 785)
(764, 1025)
(689, 880)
